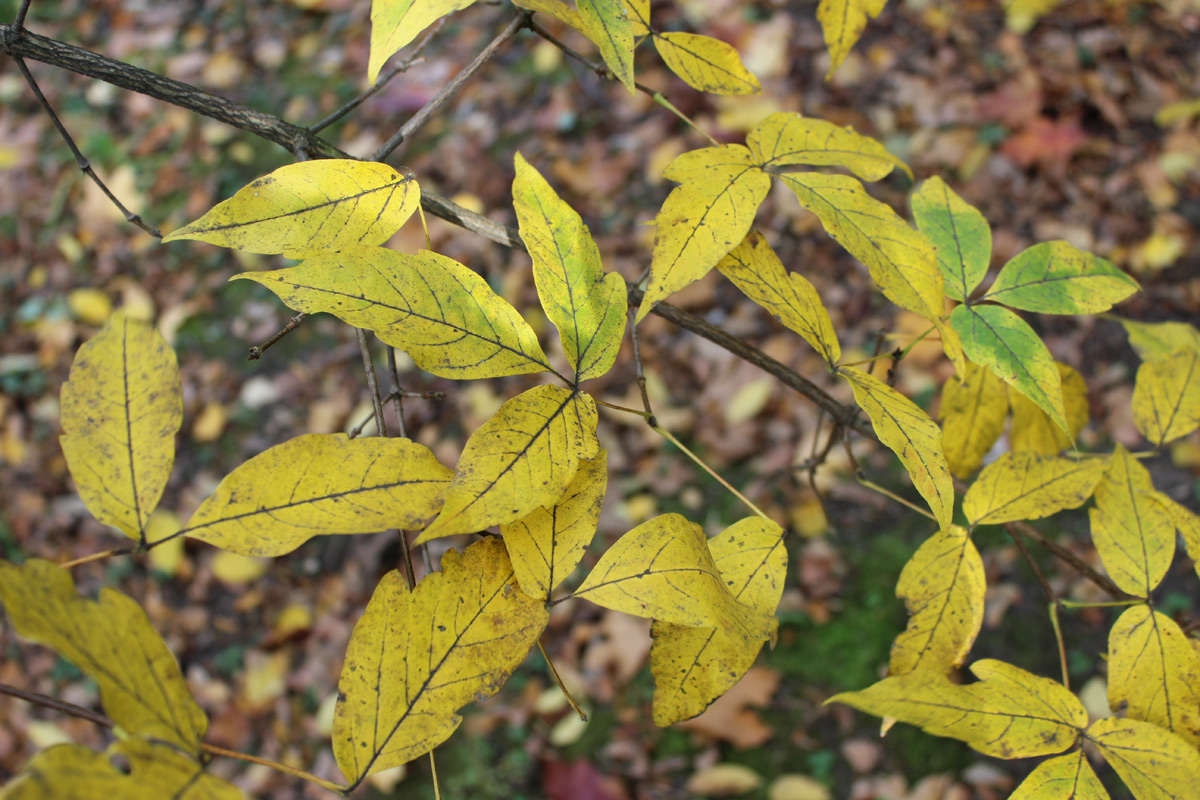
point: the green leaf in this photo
(395, 23)
(842, 22)
(786, 139)
(1057, 278)
(961, 235)
(607, 24)
(705, 63)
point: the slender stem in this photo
(336, 788)
(19, 22)
(437, 784)
(562, 686)
(1065, 555)
(893, 496)
(626, 409)
(397, 391)
(372, 384)
(641, 375)
(665, 103)
(1133, 601)
(1016, 537)
(667, 435)
(1062, 649)
(120, 551)
(256, 351)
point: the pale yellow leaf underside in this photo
(707, 64)
(787, 139)
(1153, 672)
(1030, 486)
(395, 23)
(1166, 397)
(973, 410)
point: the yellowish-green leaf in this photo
(1154, 763)
(321, 484)
(555, 8)
(705, 63)
(910, 434)
(607, 24)
(1166, 396)
(121, 409)
(694, 666)
(1034, 431)
(1067, 777)
(788, 296)
(395, 23)
(786, 139)
(973, 410)
(547, 545)
(1187, 523)
(1153, 340)
(415, 658)
(998, 339)
(586, 306)
(435, 309)
(1134, 535)
(521, 459)
(901, 260)
(639, 16)
(1030, 486)
(951, 345)
(663, 570)
(704, 218)
(310, 208)
(942, 586)
(961, 235)
(1058, 278)
(131, 769)
(842, 22)
(1153, 672)
(1008, 713)
(112, 642)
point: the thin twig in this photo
(256, 351)
(120, 551)
(1016, 537)
(562, 686)
(336, 788)
(397, 391)
(19, 22)
(663, 432)
(372, 384)
(641, 375)
(1062, 648)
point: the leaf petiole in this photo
(670, 438)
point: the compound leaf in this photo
(788, 139)
(973, 410)
(1034, 431)
(1030, 486)
(842, 22)
(1134, 535)
(113, 642)
(960, 233)
(705, 63)
(395, 23)
(607, 24)
(417, 657)
(1166, 396)
(1058, 278)
(1153, 672)
(310, 208)
(121, 408)
(321, 484)
(1153, 762)
(1066, 777)
(1154, 340)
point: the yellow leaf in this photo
(951, 345)
(639, 16)
(1021, 15)
(909, 432)
(798, 787)
(788, 296)
(703, 219)
(586, 306)
(1178, 111)
(1187, 523)
(960, 233)
(663, 570)
(415, 658)
(1153, 340)
(1154, 763)
(1008, 713)
(1058, 278)
(395, 23)
(521, 459)
(131, 769)
(555, 8)
(1068, 777)
(607, 24)
(942, 586)
(787, 139)
(547, 545)
(973, 410)
(90, 305)
(168, 556)
(707, 64)
(321, 484)
(842, 22)
(121, 408)
(693, 666)
(723, 780)
(309, 209)
(1133, 534)
(1166, 397)
(236, 569)
(901, 260)
(438, 311)
(113, 642)
(1034, 431)
(1153, 672)
(1030, 486)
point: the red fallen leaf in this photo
(1045, 142)
(578, 780)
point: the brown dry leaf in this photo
(731, 717)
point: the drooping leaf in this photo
(1153, 762)
(131, 769)
(998, 339)
(1067, 777)
(973, 410)
(694, 666)
(1058, 278)
(1008, 713)
(788, 296)
(321, 484)
(1153, 672)
(557, 9)
(395, 23)
(942, 586)
(1034, 431)
(705, 63)
(586, 306)
(121, 409)
(435, 309)
(900, 259)
(788, 139)
(960, 233)
(1133, 533)
(842, 22)
(547, 544)
(607, 24)
(909, 432)
(415, 658)
(663, 570)
(1153, 340)
(311, 208)
(521, 459)
(112, 642)
(1030, 486)
(1166, 396)
(704, 218)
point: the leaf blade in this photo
(1154, 763)
(788, 139)
(395, 23)
(1027, 485)
(960, 233)
(1057, 278)
(608, 25)
(1066, 777)
(1154, 672)
(1133, 533)
(842, 22)
(706, 64)
(1166, 396)
(973, 411)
